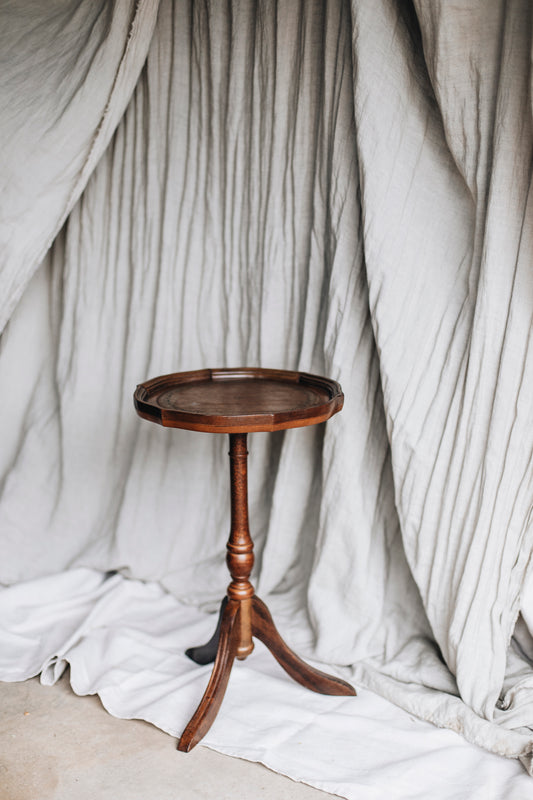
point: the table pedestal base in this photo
(224, 647)
(243, 615)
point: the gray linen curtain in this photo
(341, 189)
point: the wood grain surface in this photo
(238, 400)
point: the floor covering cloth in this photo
(341, 188)
(125, 640)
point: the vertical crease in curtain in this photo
(67, 76)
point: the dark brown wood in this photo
(206, 653)
(232, 641)
(264, 629)
(252, 618)
(240, 556)
(205, 714)
(238, 400)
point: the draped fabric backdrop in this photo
(318, 186)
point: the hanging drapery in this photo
(309, 186)
(67, 76)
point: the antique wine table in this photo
(237, 402)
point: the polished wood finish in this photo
(244, 615)
(205, 714)
(236, 402)
(264, 629)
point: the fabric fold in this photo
(67, 76)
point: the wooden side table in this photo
(237, 402)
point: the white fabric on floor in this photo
(125, 640)
(340, 189)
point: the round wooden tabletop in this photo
(238, 400)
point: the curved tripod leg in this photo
(206, 653)
(264, 629)
(206, 712)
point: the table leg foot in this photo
(264, 629)
(206, 712)
(206, 653)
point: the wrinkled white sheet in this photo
(125, 640)
(341, 189)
